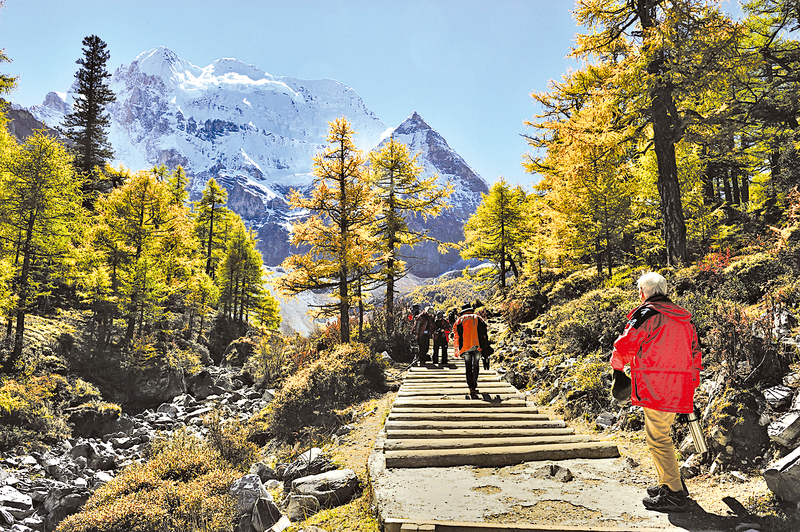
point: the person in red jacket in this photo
(660, 344)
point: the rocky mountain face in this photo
(22, 124)
(256, 135)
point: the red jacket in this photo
(660, 343)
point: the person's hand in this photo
(621, 386)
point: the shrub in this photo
(591, 322)
(184, 486)
(746, 278)
(31, 411)
(518, 311)
(231, 441)
(574, 286)
(377, 336)
(345, 375)
(271, 362)
(744, 347)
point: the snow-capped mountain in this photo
(256, 135)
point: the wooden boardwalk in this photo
(434, 423)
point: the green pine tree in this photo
(86, 125)
(211, 222)
(498, 228)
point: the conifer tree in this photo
(134, 222)
(211, 221)
(655, 60)
(497, 229)
(340, 229)
(402, 193)
(86, 125)
(241, 275)
(7, 83)
(39, 202)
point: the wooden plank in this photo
(486, 414)
(499, 456)
(465, 443)
(457, 402)
(475, 425)
(402, 434)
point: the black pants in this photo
(437, 345)
(472, 362)
(424, 342)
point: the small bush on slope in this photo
(184, 486)
(343, 376)
(590, 322)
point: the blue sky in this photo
(466, 66)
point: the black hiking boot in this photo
(652, 491)
(666, 500)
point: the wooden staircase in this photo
(434, 423)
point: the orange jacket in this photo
(468, 333)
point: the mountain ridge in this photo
(256, 134)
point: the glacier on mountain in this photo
(256, 134)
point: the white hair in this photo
(652, 284)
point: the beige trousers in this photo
(656, 427)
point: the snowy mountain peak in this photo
(438, 157)
(257, 134)
(226, 66)
(162, 63)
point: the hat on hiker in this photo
(466, 308)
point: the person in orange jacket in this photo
(470, 340)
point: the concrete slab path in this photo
(446, 462)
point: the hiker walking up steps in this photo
(660, 343)
(423, 330)
(470, 338)
(441, 331)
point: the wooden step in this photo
(465, 443)
(400, 434)
(457, 390)
(434, 409)
(499, 456)
(456, 402)
(462, 417)
(475, 425)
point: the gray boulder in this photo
(62, 502)
(11, 498)
(332, 488)
(264, 472)
(311, 462)
(783, 477)
(202, 385)
(265, 514)
(302, 507)
(247, 490)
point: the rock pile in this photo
(38, 490)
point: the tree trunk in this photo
(19, 333)
(668, 185)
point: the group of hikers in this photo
(659, 343)
(466, 327)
